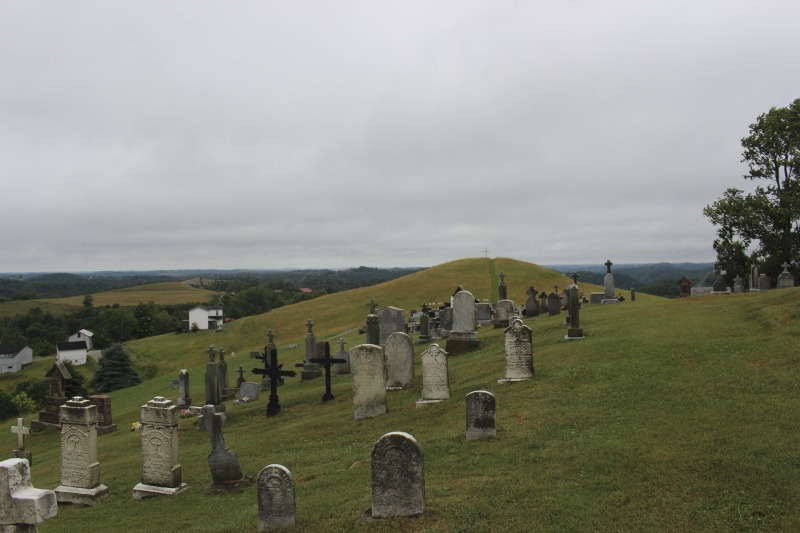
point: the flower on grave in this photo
(184, 413)
(244, 399)
(136, 426)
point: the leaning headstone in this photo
(609, 290)
(435, 376)
(184, 396)
(785, 278)
(226, 474)
(277, 505)
(368, 368)
(531, 304)
(399, 354)
(483, 313)
(49, 416)
(249, 390)
(80, 470)
(213, 394)
(390, 320)
(480, 415)
(311, 370)
(161, 471)
(342, 368)
(398, 476)
(21, 431)
(519, 353)
(424, 328)
(503, 312)
(464, 335)
(105, 422)
(23, 507)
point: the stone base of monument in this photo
(424, 338)
(574, 334)
(501, 324)
(142, 490)
(310, 371)
(425, 403)
(23, 454)
(609, 301)
(506, 381)
(104, 430)
(228, 488)
(367, 517)
(456, 346)
(80, 496)
(39, 425)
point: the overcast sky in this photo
(266, 134)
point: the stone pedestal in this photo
(22, 507)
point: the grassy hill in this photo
(672, 415)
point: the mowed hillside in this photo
(165, 293)
(671, 415)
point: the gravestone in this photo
(161, 471)
(543, 303)
(575, 331)
(519, 353)
(49, 416)
(435, 376)
(324, 359)
(609, 294)
(502, 290)
(764, 283)
(531, 304)
(213, 393)
(719, 281)
(753, 273)
(503, 312)
(398, 476)
(225, 390)
(344, 355)
(480, 415)
(184, 396)
(633, 294)
(685, 285)
(424, 328)
(277, 505)
(241, 379)
(23, 507)
(373, 330)
(21, 431)
(105, 422)
(272, 370)
(738, 285)
(399, 354)
(310, 370)
(368, 368)
(785, 278)
(445, 322)
(464, 335)
(226, 474)
(80, 470)
(390, 320)
(554, 303)
(483, 313)
(249, 390)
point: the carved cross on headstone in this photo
(531, 292)
(373, 306)
(310, 326)
(786, 266)
(575, 277)
(273, 370)
(608, 264)
(327, 361)
(21, 431)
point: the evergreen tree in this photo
(115, 371)
(76, 385)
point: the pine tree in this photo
(115, 371)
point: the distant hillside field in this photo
(166, 293)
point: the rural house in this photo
(205, 317)
(14, 358)
(83, 335)
(72, 351)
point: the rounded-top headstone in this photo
(277, 507)
(398, 476)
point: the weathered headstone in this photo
(213, 394)
(764, 283)
(249, 390)
(480, 415)
(80, 470)
(342, 368)
(531, 304)
(435, 376)
(785, 278)
(373, 330)
(23, 507)
(277, 505)
(311, 370)
(184, 395)
(502, 290)
(554, 303)
(226, 474)
(398, 476)
(105, 422)
(445, 322)
(225, 391)
(633, 294)
(49, 416)
(273, 371)
(424, 328)
(390, 320)
(575, 331)
(21, 431)
(503, 312)
(368, 368)
(483, 313)
(399, 354)
(519, 353)
(738, 285)
(543, 304)
(325, 360)
(161, 470)
(753, 273)
(609, 290)
(464, 335)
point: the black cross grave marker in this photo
(327, 361)
(273, 370)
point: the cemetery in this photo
(667, 415)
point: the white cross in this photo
(21, 431)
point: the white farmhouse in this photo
(14, 358)
(205, 317)
(72, 351)
(83, 335)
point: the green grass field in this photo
(671, 415)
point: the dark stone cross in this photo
(373, 306)
(327, 361)
(240, 379)
(575, 277)
(555, 289)
(273, 370)
(608, 264)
